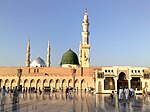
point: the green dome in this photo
(69, 57)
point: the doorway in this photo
(122, 81)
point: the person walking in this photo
(4, 91)
(40, 91)
(144, 92)
(112, 96)
(120, 93)
(126, 92)
(15, 95)
(67, 90)
(85, 90)
(131, 92)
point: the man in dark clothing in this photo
(15, 95)
(67, 90)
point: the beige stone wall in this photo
(60, 77)
(46, 76)
(8, 71)
(130, 72)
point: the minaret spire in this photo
(85, 28)
(48, 54)
(84, 50)
(28, 54)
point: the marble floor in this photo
(77, 102)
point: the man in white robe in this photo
(121, 93)
(126, 92)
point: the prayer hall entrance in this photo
(122, 81)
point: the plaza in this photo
(77, 102)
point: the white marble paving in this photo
(85, 102)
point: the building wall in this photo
(59, 77)
(56, 77)
(134, 78)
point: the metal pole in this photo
(19, 77)
(73, 75)
(73, 81)
(18, 83)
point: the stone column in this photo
(129, 83)
(115, 79)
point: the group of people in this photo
(68, 90)
(125, 92)
(4, 91)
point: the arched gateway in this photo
(122, 81)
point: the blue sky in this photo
(119, 30)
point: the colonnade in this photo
(41, 83)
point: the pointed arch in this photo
(32, 83)
(122, 76)
(70, 82)
(13, 83)
(64, 84)
(64, 80)
(122, 81)
(26, 83)
(77, 84)
(76, 81)
(7, 83)
(51, 83)
(83, 84)
(45, 82)
(57, 85)
(38, 84)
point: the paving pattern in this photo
(76, 102)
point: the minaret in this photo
(48, 54)
(84, 49)
(28, 54)
(85, 31)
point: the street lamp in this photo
(19, 77)
(73, 70)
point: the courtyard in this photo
(76, 102)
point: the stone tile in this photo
(85, 102)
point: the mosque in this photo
(74, 71)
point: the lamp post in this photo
(19, 77)
(73, 70)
